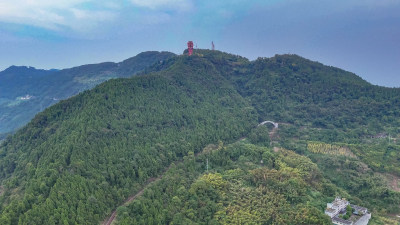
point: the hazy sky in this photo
(361, 36)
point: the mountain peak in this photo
(216, 54)
(148, 55)
(25, 70)
(14, 68)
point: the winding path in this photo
(111, 218)
(395, 183)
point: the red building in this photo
(190, 47)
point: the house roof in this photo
(358, 208)
(337, 219)
(330, 210)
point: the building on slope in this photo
(338, 209)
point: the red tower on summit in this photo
(190, 47)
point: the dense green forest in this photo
(100, 146)
(47, 87)
(238, 189)
(80, 159)
(286, 188)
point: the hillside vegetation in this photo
(77, 160)
(25, 91)
(81, 158)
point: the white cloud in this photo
(151, 19)
(179, 5)
(52, 14)
(84, 20)
(379, 3)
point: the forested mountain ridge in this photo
(105, 142)
(79, 159)
(25, 91)
(293, 88)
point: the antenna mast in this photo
(212, 46)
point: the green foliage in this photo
(239, 193)
(381, 156)
(366, 188)
(81, 158)
(47, 87)
(349, 212)
(291, 89)
(84, 156)
(260, 136)
(324, 148)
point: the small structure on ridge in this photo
(190, 47)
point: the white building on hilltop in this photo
(333, 209)
(337, 209)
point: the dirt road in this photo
(111, 218)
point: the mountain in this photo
(25, 91)
(186, 131)
(21, 77)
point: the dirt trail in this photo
(111, 218)
(395, 182)
(149, 181)
(272, 134)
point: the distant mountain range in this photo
(25, 91)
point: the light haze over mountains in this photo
(360, 36)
